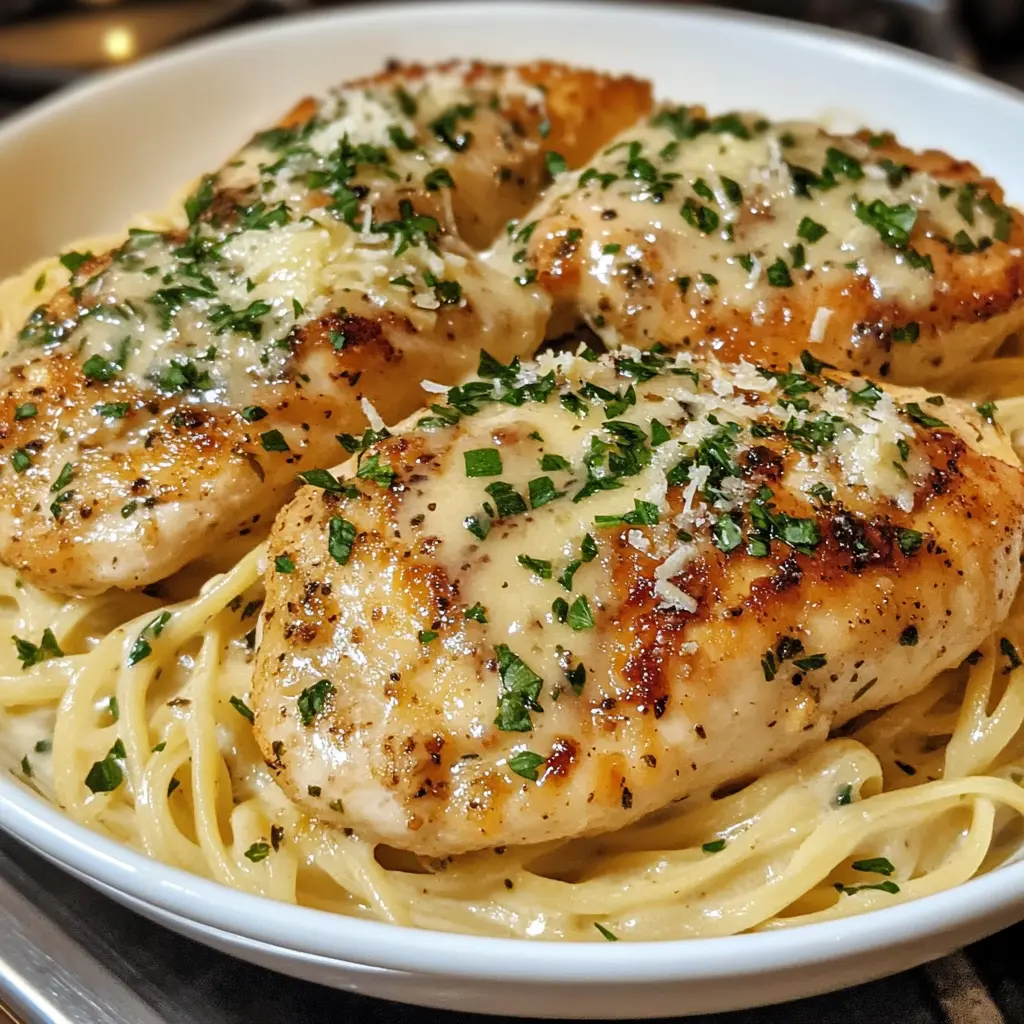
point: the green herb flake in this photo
(520, 688)
(258, 852)
(918, 415)
(542, 491)
(106, 775)
(427, 636)
(73, 261)
(283, 563)
(30, 654)
(312, 700)
(242, 708)
(538, 566)
(609, 936)
(526, 764)
(25, 412)
(273, 441)
(810, 230)
(477, 613)
(341, 536)
(778, 274)
(483, 462)
(715, 846)
(580, 616)
(142, 648)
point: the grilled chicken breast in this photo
(165, 400)
(581, 590)
(752, 239)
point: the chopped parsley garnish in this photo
(252, 413)
(258, 852)
(142, 648)
(810, 230)
(698, 216)
(20, 460)
(909, 540)
(908, 332)
(542, 491)
(30, 654)
(283, 563)
(811, 662)
(725, 534)
(850, 890)
(242, 708)
(106, 775)
(74, 261)
(869, 395)
(372, 469)
(341, 537)
(918, 415)
(477, 613)
(525, 764)
(610, 936)
(439, 178)
(98, 368)
(507, 500)
(659, 433)
(555, 163)
(778, 274)
(520, 688)
(25, 412)
(645, 513)
(427, 636)
(893, 223)
(839, 162)
(312, 700)
(844, 795)
(324, 479)
(715, 846)
(66, 475)
(483, 462)
(875, 866)
(580, 616)
(553, 463)
(987, 411)
(114, 410)
(560, 609)
(273, 441)
(538, 566)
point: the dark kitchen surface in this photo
(148, 973)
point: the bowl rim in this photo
(308, 932)
(311, 933)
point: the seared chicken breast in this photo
(165, 399)
(578, 590)
(754, 239)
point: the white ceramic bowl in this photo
(86, 161)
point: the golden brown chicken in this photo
(748, 238)
(583, 590)
(164, 401)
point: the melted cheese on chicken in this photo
(582, 589)
(756, 239)
(165, 400)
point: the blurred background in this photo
(48, 43)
